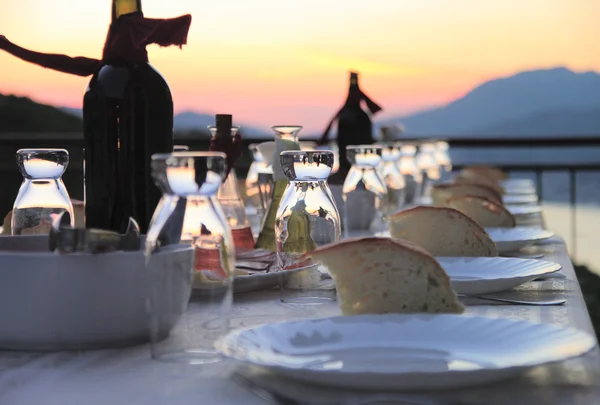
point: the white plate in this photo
(517, 199)
(512, 239)
(488, 275)
(383, 352)
(523, 210)
(520, 190)
(517, 183)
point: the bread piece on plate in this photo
(442, 232)
(485, 212)
(479, 179)
(492, 173)
(382, 275)
(443, 192)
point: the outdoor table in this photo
(130, 376)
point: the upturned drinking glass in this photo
(428, 165)
(307, 218)
(189, 215)
(442, 156)
(42, 195)
(408, 168)
(252, 181)
(392, 178)
(363, 193)
(233, 205)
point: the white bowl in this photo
(50, 301)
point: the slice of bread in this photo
(492, 173)
(485, 212)
(442, 232)
(441, 193)
(382, 275)
(479, 179)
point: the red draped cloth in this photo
(127, 38)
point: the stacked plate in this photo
(403, 352)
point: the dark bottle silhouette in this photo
(354, 126)
(127, 114)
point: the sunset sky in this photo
(268, 61)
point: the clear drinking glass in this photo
(427, 164)
(364, 193)
(307, 218)
(233, 205)
(412, 175)
(180, 148)
(442, 157)
(42, 195)
(392, 178)
(189, 216)
(252, 184)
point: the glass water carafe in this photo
(189, 219)
(233, 205)
(307, 218)
(42, 195)
(363, 193)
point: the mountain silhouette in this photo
(521, 103)
(21, 114)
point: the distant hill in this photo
(553, 122)
(191, 123)
(520, 103)
(21, 114)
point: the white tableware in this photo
(519, 199)
(81, 301)
(517, 183)
(403, 352)
(524, 210)
(488, 275)
(513, 239)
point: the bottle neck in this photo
(122, 7)
(354, 94)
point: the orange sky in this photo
(271, 61)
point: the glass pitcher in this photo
(307, 218)
(233, 205)
(42, 195)
(189, 219)
(363, 192)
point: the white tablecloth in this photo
(129, 376)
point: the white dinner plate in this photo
(524, 210)
(513, 239)
(400, 352)
(518, 199)
(519, 190)
(517, 183)
(488, 275)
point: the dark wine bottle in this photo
(127, 114)
(354, 126)
(128, 117)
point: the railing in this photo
(570, 154)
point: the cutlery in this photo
(560, 301)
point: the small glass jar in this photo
(42, 195)
(307, 218)
(363, 193)
(189, 219)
